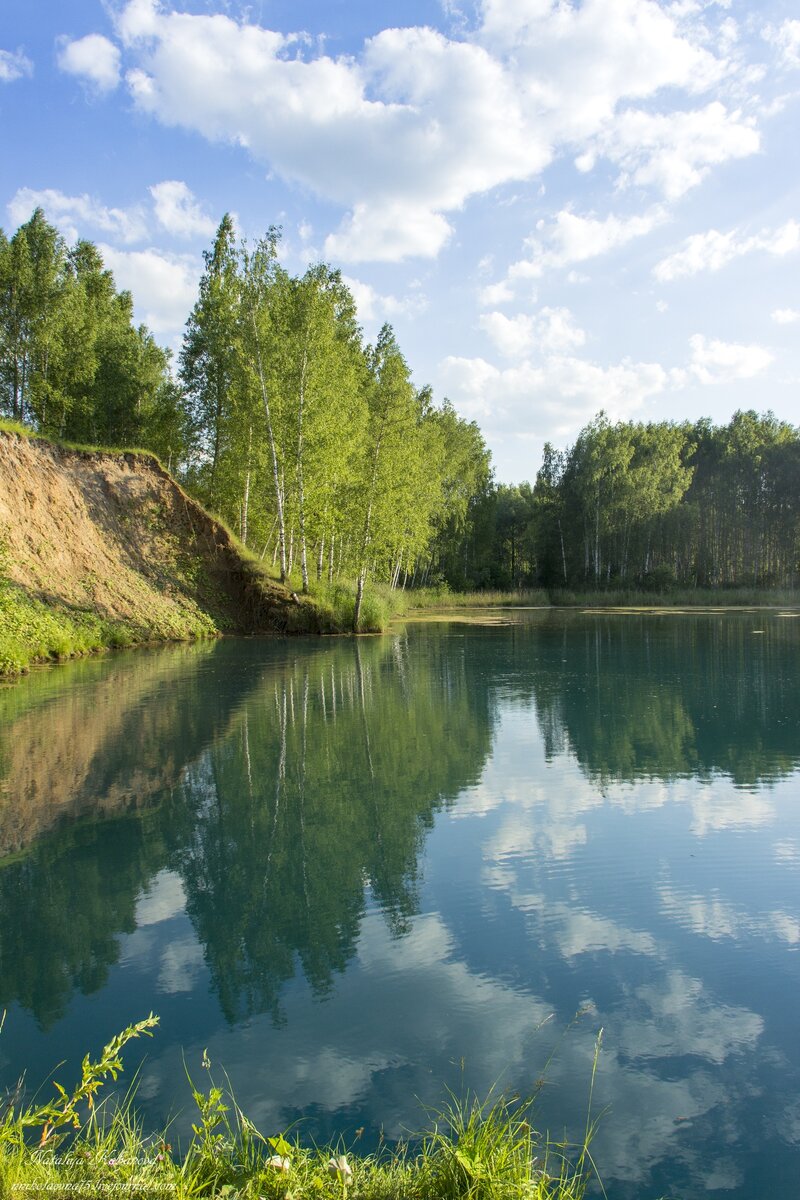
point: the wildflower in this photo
(341, 1167)
(279, 1163)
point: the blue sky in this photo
(560, 205)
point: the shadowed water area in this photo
(361, 871)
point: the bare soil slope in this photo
(113, 536)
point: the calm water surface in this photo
(359, 872)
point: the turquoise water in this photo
(359, 872)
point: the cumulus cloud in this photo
(94, 59)
(375, 306)
(787, 38)
(403, 133)
(785, 316)
(14, 65)
(569, 239)
(715, 361)
(673, 152)
(551, 331)
(163, 285)
(716, 918)
(551, 392)
(74, 215)
(389, 234)
(178, 212)
(712, 250)
(551, 399)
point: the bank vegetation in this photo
(75, 1144)
(335, 470)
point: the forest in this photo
(330, 463)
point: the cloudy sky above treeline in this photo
(560, 205)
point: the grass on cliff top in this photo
(76, 1146)
(26, 431)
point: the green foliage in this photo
(327, 460)
(72, 363)
(338, 602)
(476, 1151)
(653, 507)
(32, 631)
(52, 1117)
(314, 447)
(489, 1150)
(442, 598)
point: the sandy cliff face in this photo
(114, 534)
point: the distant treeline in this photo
(657, 504)
(324, 457)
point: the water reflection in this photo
(326, 788)
(344, 867)
(278, 791)
(637, 697)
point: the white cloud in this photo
(163, 899)
(178, 212)
(715, 918)
(373, 306)
(551, 331)
(712, 250)
(182, 961)
(787, 38)
(785, 316)
(76, 214)
(714, 361)
(584, 58)
(388, 234)
(570, 239)
(14, 65)
(551, 393)
(92, 58)
(164, 286)
(403, 133)
(678, 1017)
(553, 399)
(673, 152)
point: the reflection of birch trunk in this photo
(363, 706)
(302, 790)
(279, 782)
(247, 756)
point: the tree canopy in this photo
(328, 460)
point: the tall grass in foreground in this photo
(75, 1147)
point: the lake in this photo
(360, 872)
